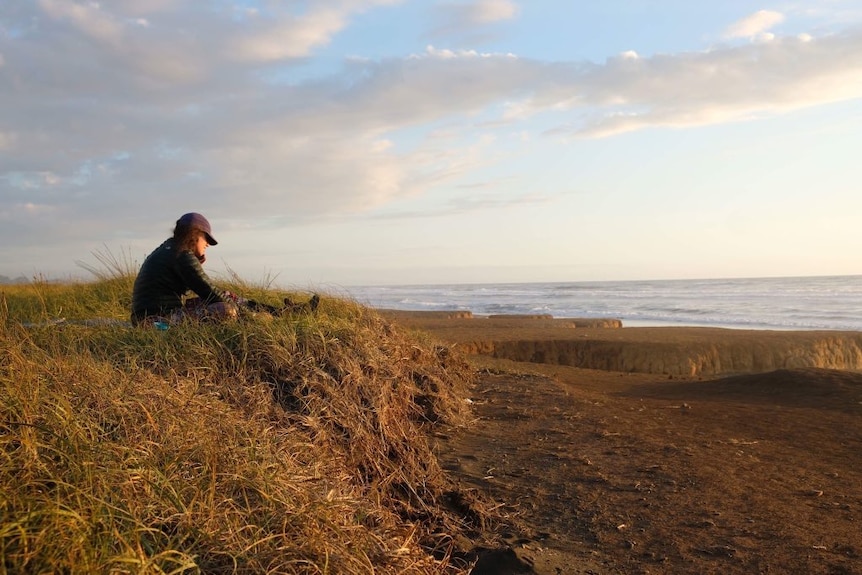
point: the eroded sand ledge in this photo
(604, 344)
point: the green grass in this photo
(263, 445)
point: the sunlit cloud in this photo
(756, 25)
(291, 37)
(722, 85)
(484, 11)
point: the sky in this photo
(335, 143)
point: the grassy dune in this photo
(265, 445)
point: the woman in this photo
(173, 269)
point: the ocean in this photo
(794, 303)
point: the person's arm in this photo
(197, 280)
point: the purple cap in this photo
(195, 220)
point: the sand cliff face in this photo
(715, 352)
(604, 344)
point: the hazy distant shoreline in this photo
(803, 303)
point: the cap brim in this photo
(210, 240)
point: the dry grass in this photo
(286, 445)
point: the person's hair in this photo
(185, 237)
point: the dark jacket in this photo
(165, 277)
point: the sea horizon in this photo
(831, 302)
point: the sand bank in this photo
(607, 345)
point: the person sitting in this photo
(175, 268)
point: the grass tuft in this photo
(264, 445)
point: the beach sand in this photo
(660, 450)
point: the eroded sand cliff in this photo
(604, 344)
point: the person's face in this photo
(201, 245)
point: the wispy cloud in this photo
(469, 16)
(755, 25)
(484, 11)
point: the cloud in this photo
(276, 33)
(472, 204)
(291, 37)
(722, 85)
(468, 16)
(7, 140)
(118, 126)
(89, 18)
(627, 92)
(755, 25)
(485, 11)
